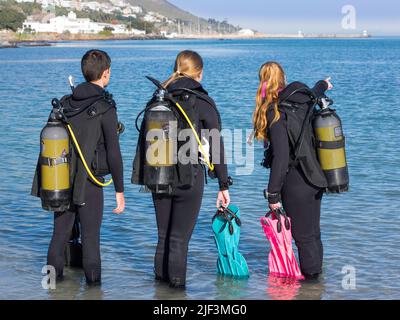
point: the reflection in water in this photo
(290, 289)
(311, 290)
(92, 293)
(282, 288)
(230, 288)
(162, 291)
(74, 287)
(69, 288)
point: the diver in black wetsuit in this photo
(92, 114)
(297, 186)
(177, 213)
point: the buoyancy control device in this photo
(55, 161)
(157, 163)
(327, 140)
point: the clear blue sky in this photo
(379, 17)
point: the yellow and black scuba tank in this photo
(157, 164)
(161, 135)
(56, 140)
(330, 143)
(54, 161)
(317, 140)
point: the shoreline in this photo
(272, 36)
(12, 40)
(45, 40)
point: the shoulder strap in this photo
(91, 110)
(187, 96)
(109, 104)
(286, 104)
(300, 141)
(205, 98)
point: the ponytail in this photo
(175, 76)
(187, 64)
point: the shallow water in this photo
(361, 229)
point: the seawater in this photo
(360, 229)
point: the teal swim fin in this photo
(226, 226)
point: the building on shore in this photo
(74, 25)
(167, 35)
(246, 33)
(109, 6)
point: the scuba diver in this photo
(297, 180)
(177, 189)
(64, 182)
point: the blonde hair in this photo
(272, 81)
(187, 64)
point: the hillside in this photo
(159, 17)
(189, 22)
(165, 8)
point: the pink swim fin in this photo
(281, 260)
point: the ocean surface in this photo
(360, 229)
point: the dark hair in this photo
(94, 63)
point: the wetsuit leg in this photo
(178, 225)
(91, 215)
(185, 210)
(63, 223)
(302, 202)
(163, 207)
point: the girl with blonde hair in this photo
(296, 180)
(177, 212)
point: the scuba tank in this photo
(55, 176)
(55, 191)
(156, 165)
(331, 147)
(160, 145)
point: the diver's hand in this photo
(328, 81)
(119, 196)
(223, 199)
(275, 206)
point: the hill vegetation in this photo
(13, 14)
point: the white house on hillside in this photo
(246, 32)
(75, 25)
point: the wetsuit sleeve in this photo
(114, 157)
(320, 88)
(210, 119)
(279, 141)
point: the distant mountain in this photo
(166, 9)
(189, 23)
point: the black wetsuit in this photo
(300, 198)
(91, 213)
(177, 214)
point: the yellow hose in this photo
(206, 156)
(101, 184)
